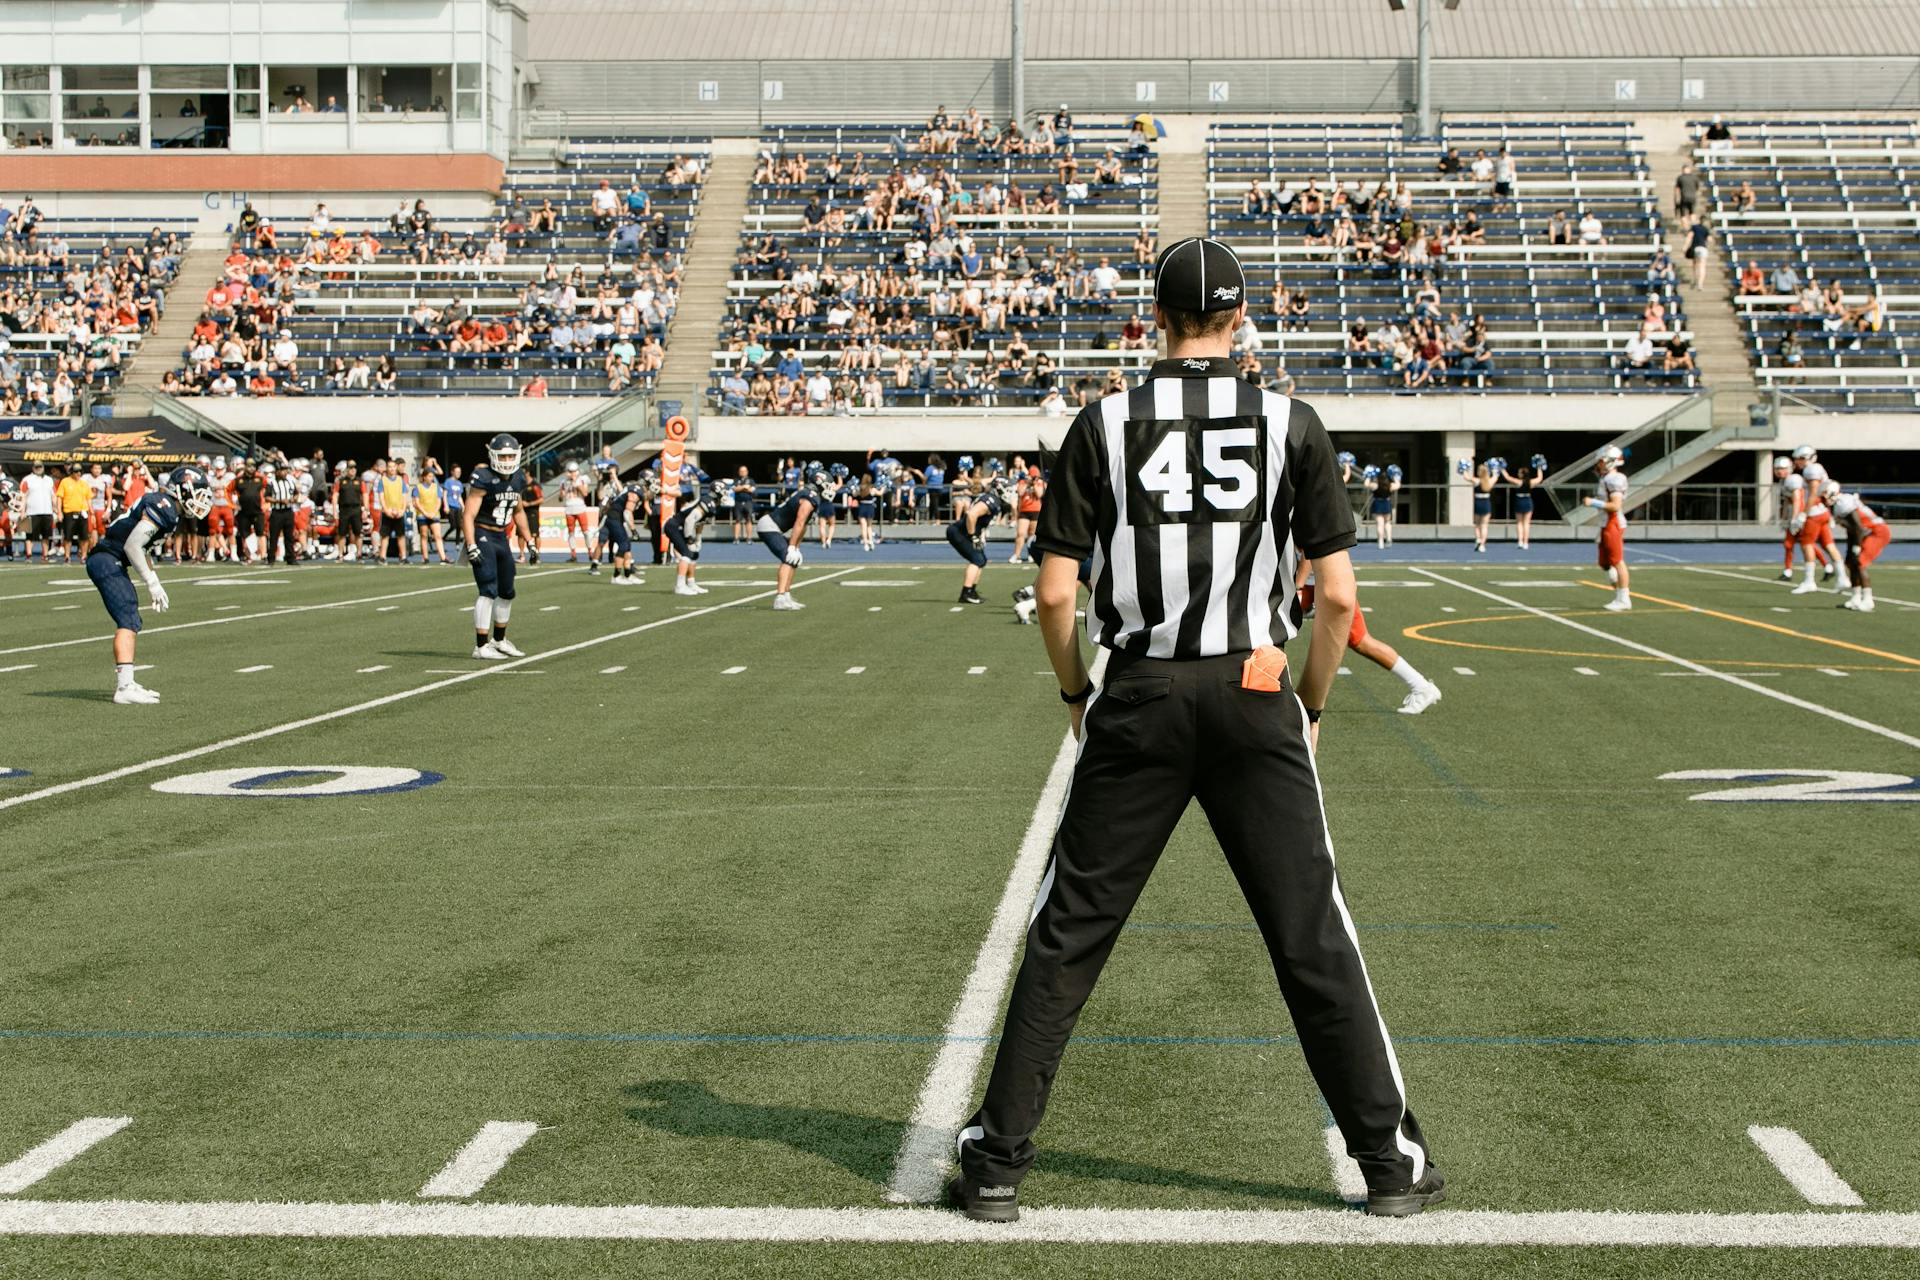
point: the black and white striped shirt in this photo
(1196, 494)
(281, 493)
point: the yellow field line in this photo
(1769, 626)
(1419, 632)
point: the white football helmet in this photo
(1610, 459)
(1805, 453)
(1829, 491)
(1781, 465)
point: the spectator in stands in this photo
(1428, 363)
(1247, 336)
(1785, 280)
(1866, 319)
(386, 378)
(1592, 233)
(1686, 194)
(1788, 353)
(1638, 357)
(1699, 240)
(1660, 273)
(1473, 363)
(1807, 301)
(1134, 335)
(1653, 315)
(1717, 136)
(1481, 171)
(1679, 356)
(1753, 281)
(1505, 179)
(1299, 308)
(536, 387)
(1559, 229)
(1745, 197)
(1450, 163)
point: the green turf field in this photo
(699, 886)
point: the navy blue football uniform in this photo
(614, 515)
(501, 497)
(107, 564)
(962, 541)
(774, 526)
(684, 524)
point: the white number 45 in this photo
(1166, 474)
(1823, 784)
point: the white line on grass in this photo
(948, 1089)
(976, 671)
(1831, 671)
(1748, 577)
(62, 608)
(1585, 671)
(18, 1175)
(254, 670)
(25, 666)
(733, 671)
(611, 671)
(854, 671)
(1801, 1165)
(1777, 608)
(270, 613)
(1463, 671)
(474, 1165)
(291, 726)
(1347, 1178)
(1576, 1229)
(1777, 695)
(78, 590)
(367, 671)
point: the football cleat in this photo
(1804, 589)
(1404, 1202)
(785, 603)
(1617, 606)
(969, 596)
(1786, 575)
(1850, 603)
(488, 652)
(984, 1204)
(134, 694)
(508, 647)
(682, 587)
(1418, 700)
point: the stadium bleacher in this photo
(363, 326)
(1832, 200)
(1558, 307)
(76, 297)
(849, 267)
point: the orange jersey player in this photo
(1610, 497)
(1867, 536)
(1421, 692)
(1816, 533)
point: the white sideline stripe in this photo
(367, 671)
(947, 1091)
(1463, 671)
(474, 1165)
(1585, 671)
(72, 1141)
(611, 671)
(25, 666)
(1777, 695)
(247, 671)
(1575, 1228)
(194, 753)
(270, 613)
(1748, 577)
(854, 671)
(1751, 675)
(1347, 1178)
(1801, 1165)
(1830, 671)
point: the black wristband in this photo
(1075, 699)
(1313, 713)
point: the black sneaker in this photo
(969, 596)
(984, 1204)
(593, 567)
(1404, 1202)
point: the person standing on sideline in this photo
(1196, 494)
(281, 495)
(1610, 497)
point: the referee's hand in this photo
(1076, 715)
(1313, 736)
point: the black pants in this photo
(1159, 734)
(247, 524)
(280, 532)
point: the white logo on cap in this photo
(1228, 294)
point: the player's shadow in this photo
(77, 695)
(866, 1145)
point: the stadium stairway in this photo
(711, 247)
(1719, 342)
(160, 350)
(1183, 193)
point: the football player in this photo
(145, 526)
(9, 499)
(495, 509)
(575, 489)
(1610, 497)
(683, 533)
(625, 511)
(1790, 497)
(1421, 692)
(785, 526)
(1816, 532)
(968, 534)
(1867, 536)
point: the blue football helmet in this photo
(190, 488)
(503, 451)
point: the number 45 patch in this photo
(1195, 470)
(1817, 784)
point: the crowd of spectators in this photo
(609, 321)
(67, 311)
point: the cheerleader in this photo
(865, 502)
(1526, 480)
(1384, 484)
(1485, 476)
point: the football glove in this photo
(533, 555)
(1797, 523)
(794, 557)
(158, 592)
(473, 553)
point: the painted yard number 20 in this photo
(1802, 785)
(1198, 471)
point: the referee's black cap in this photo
(1198, 275)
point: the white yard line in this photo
(24, 666)
(1748, 577)
(733, 671)
(1585, 671)
(474, 1165)
(854, 671)
(171, 581)
(270, 613)
(1347, 1178)
(72, 1141)
(611, 671)
(1575, 1228)
(291, 726)
(367, 671)
(1832, 671)
(1801, 1165)
(254, 670)
(1777, 695)
(947, 1093)
(976, 671)
(1463, 671)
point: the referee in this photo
(1196, 494)
(282, 494)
